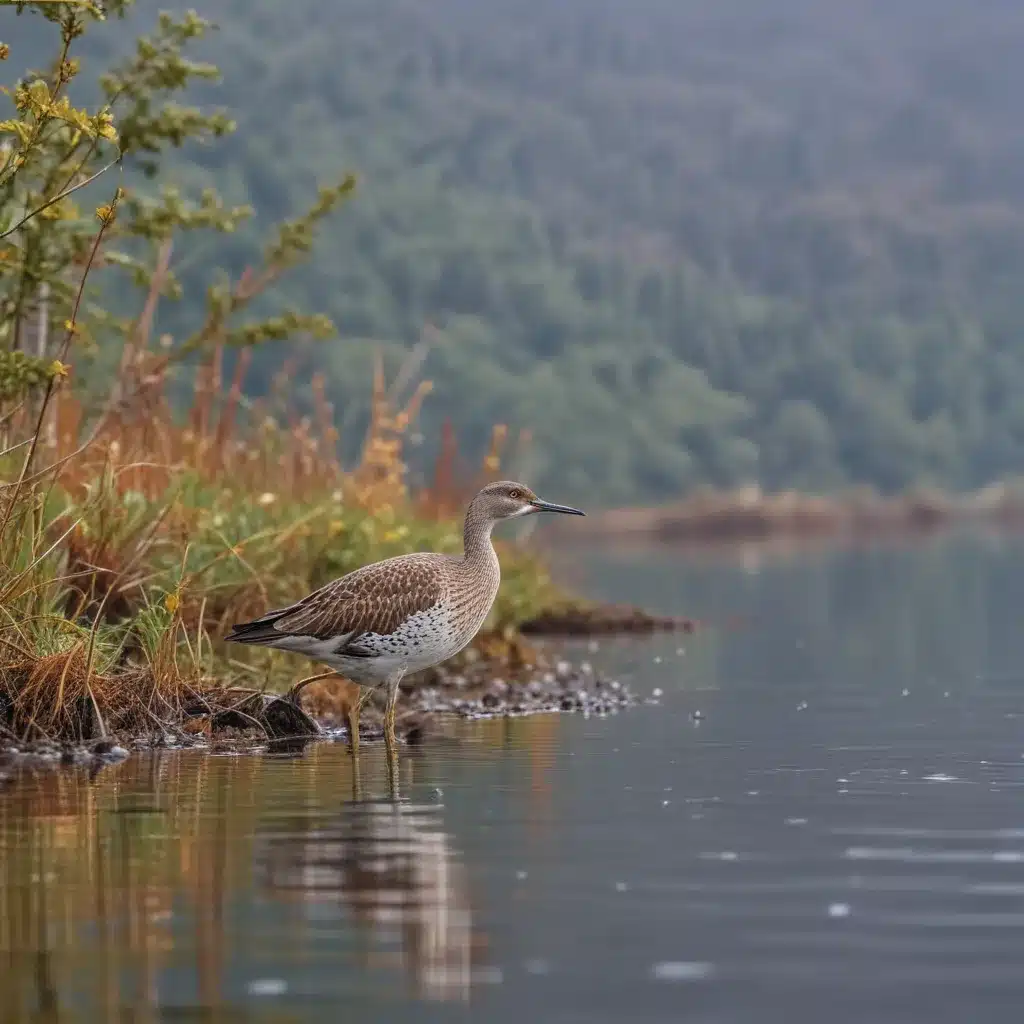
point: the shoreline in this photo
(498, 677)
(747, 514)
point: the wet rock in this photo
(109, 750)
(276, 716)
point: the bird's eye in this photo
(514, 493)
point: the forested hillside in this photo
(682, 241)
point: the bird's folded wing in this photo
(375, 600)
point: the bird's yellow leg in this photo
(353, 721)
(389, 730)
(389, 712)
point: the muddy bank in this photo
(598, 620)
(750, 514)
(500, 677)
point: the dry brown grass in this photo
(57, 697)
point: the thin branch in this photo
(11, 413)
(58, 197)
(15, 447)
(50, 385)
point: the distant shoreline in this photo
(749, 514)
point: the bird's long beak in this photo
(547, 506)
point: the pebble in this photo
(473, 694)
(45, 752)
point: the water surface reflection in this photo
(119, 892)
(838, 835)
(392, 868)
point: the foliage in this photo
(682, 242)
(55, 153)
(133, 529)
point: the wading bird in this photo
(404, 614)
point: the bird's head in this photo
(507, 499)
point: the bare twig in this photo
(15, 447)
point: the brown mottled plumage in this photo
(375, 599)
(403, 614)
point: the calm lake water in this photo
(821, 817)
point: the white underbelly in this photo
(422, 641)
(425, 639)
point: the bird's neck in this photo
(476, 539)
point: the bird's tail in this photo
(257, 631)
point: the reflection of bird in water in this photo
(393, 866)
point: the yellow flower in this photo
(172, 602)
